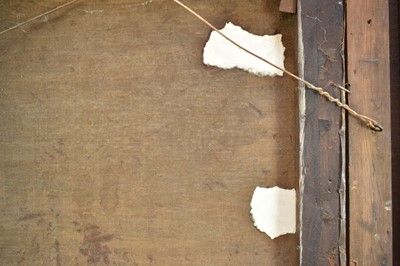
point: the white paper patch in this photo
(221, 53)
(274, 211)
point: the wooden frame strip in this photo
(370, 229)
(321, 33)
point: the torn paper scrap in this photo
(221, 53)
(274, 211)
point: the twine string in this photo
(369, 122)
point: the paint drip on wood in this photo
(221, 53)
(274, 211)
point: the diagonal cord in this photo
(38, 16)
(369, 122)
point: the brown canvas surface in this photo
(118, 146)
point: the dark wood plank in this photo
(321, 24)
(370, 229)
(118, 146)
(394, 18)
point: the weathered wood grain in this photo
(118, 146)
(370, 213)
(322, 26)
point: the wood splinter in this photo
(369, 122)
(288, 6)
